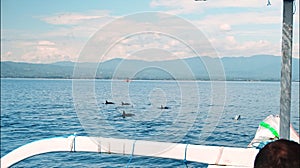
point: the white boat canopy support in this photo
(205, 154)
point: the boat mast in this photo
(286, 71)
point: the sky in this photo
(46, 31)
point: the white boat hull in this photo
(213, 155)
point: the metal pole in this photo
(286, 72)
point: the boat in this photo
(212, 155)
(272, 128)
(127, 80)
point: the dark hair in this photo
(279, 154)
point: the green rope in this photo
(267, 126)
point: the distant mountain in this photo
(259, 67)
(29, 70)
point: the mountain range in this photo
(258, 67)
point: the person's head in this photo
(281, 153)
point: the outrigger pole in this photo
(286, 70)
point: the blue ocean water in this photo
(199, 112)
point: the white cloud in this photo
(78, 26)
(46, 43)
(73, 18)
(225, 27)
(8, 53)
(7, 56)
(231, 40)
(246, 18)
(191, 6)
(177, 6)
(242, 33)
(63, 42)
(253, 24)
(42, 51)
(45, 52)
(149, 46)
(229, 46)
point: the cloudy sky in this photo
(44, 31)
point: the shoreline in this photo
(134, 80)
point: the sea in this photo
(197, 112)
